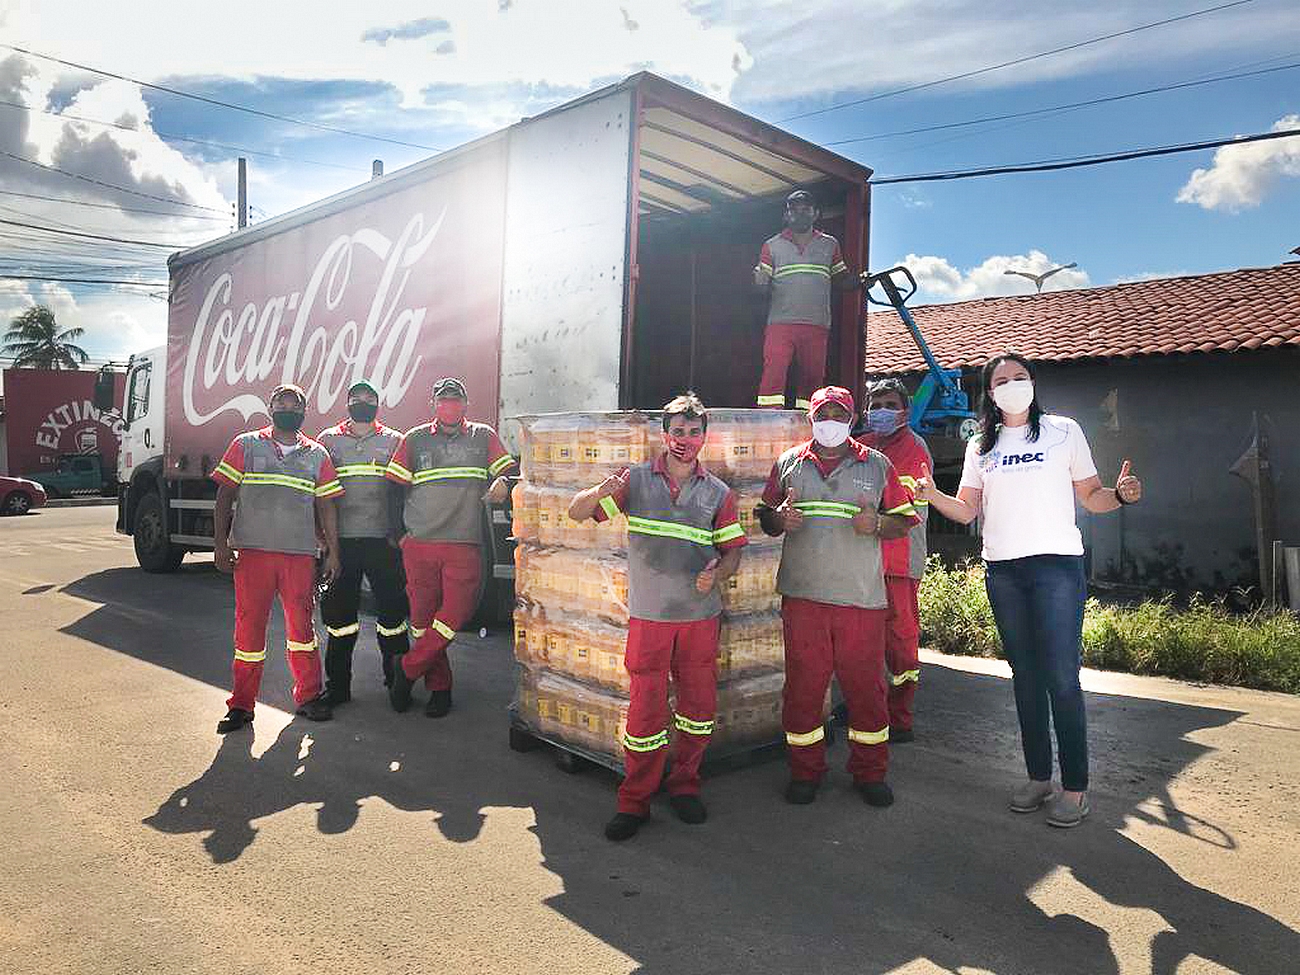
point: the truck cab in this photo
(75, 475)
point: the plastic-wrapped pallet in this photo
(571, 581)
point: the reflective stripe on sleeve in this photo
(902, 509)
(727, 533)
(692, 727)
(500, 464)
(343, 630)
(668, 529)
(838, 266)
(648, 744)
(394, 469)
(905, 676)
(250, 657)
(296, 647)
(869, 737)
(449, 473)
(609, 506)
(807, 738)
(329, 489)
(225, 470)
(391, 630)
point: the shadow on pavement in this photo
(946, 875)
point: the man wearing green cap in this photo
(370, 523)
(445, 467)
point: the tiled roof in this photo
(1249, 309)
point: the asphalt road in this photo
(133, 839)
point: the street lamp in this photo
(1038, 279)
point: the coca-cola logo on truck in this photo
(233, 350)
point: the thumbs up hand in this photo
(866, 521)
(791, 517)
(925, 488)
(704, 581)
(1127, 487)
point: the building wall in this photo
(1183, 421)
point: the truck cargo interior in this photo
(708, 194)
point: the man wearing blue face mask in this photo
(885, 428)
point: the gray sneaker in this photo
(1065, 812)
(1031, 796)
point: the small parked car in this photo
(18, 495)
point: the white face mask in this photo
(830, 433)
(1014, 397)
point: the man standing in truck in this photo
(834, 499)
(887, 430)
(684, 541)
(797, 270)
(280, 486)
(370, 524)
(444, 465)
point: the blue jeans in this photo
(1038, 604)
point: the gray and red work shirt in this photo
(826, 560)
(278, 487)
(447, 470)
(801, 278)
(361, 460)
(673, 531)
(905, 557)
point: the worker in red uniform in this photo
(684, 540)
(281, 487)
(445, 465)
(834, 500)
(370, 525)
(797, 270)
(887, 430)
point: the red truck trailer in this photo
(596, 257)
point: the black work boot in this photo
(439, 704)
(399, 691)
(689, 809)
(386, 659)
(317, 709)
(338, 668)
(391, 647)
(235, 719)
(801, 792)
(623, 826)
(877, 794)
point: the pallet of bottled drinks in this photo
(571, 583)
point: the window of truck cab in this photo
(139, 395)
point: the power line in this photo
(77, 233)
(110, 206)
(182, 138)
(1007, 64)
(111, 186)
(37, 277)
(231, 105)
(1066, 107)
(1074, 162)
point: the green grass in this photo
(1203, 641)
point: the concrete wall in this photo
(1183, 421)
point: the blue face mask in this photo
(884, 422)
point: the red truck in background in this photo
(58, 435)
(596, 257)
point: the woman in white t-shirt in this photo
(1024, 471)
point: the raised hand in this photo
(925, 489)
(704, 581)
(1127, 485)
(791, 517)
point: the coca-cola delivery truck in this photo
(597, 257)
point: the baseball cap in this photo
(363, 384)
(449, 386)
(800, 198)
(830, 394)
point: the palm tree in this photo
(35, 342)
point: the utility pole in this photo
(241, 218)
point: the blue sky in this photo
(438, 74)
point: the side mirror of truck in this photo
(104, 390)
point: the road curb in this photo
(78, 502)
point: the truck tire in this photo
(153, 549)
(16, 503)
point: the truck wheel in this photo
(17, 503)
(153, 550)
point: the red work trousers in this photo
(806, 345)
(442, 585)
(902, 640)
(259, 577)
(849, 642)
(689, 651)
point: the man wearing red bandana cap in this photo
(834, 499)
(684, 540)
(446, 465)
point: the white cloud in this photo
(1240, 176)
(939, 280)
